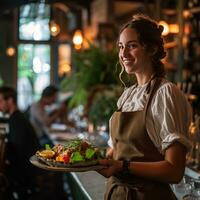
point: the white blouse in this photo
(168, 117)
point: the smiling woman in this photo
(148, 132)
(141, 46)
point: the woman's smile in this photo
(128, 61)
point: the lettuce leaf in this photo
(89, 154)
(47, 147)
(76, 157)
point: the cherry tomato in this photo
(66, 158)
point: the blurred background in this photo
(71, 44)
(50, 41)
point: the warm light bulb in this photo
(78, 39)
(54, 28)
(10, 51)
(186, 14)
(166, 27)
(64, 69)
(173, 28)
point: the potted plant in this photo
(94, 82)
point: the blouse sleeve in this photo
(171, 117)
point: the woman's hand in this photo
(109, 153)
(112, 167)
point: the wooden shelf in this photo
(195, 10)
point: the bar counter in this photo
(87, 185)
(91, 185)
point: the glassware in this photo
(187, 189)
(193, 157)
(99, 136)
(183, 189)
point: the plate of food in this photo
(71, 156)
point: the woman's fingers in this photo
(109, 153)
(105, 162)
(107, 172)
(111, 167)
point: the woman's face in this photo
(132, 54)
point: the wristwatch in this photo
(126, 165)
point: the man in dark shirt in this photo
(25, 181)
(22, 144)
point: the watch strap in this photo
(126, 165)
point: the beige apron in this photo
(131, 142)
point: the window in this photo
(34, 22)
(33, 53)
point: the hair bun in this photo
(160, 28)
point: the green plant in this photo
(95, 83)
(1, 81)
(93, 66)
(103, 105)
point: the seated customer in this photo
(26, 182)
(40, 118)
(22, 144)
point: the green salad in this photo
(74, 151)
